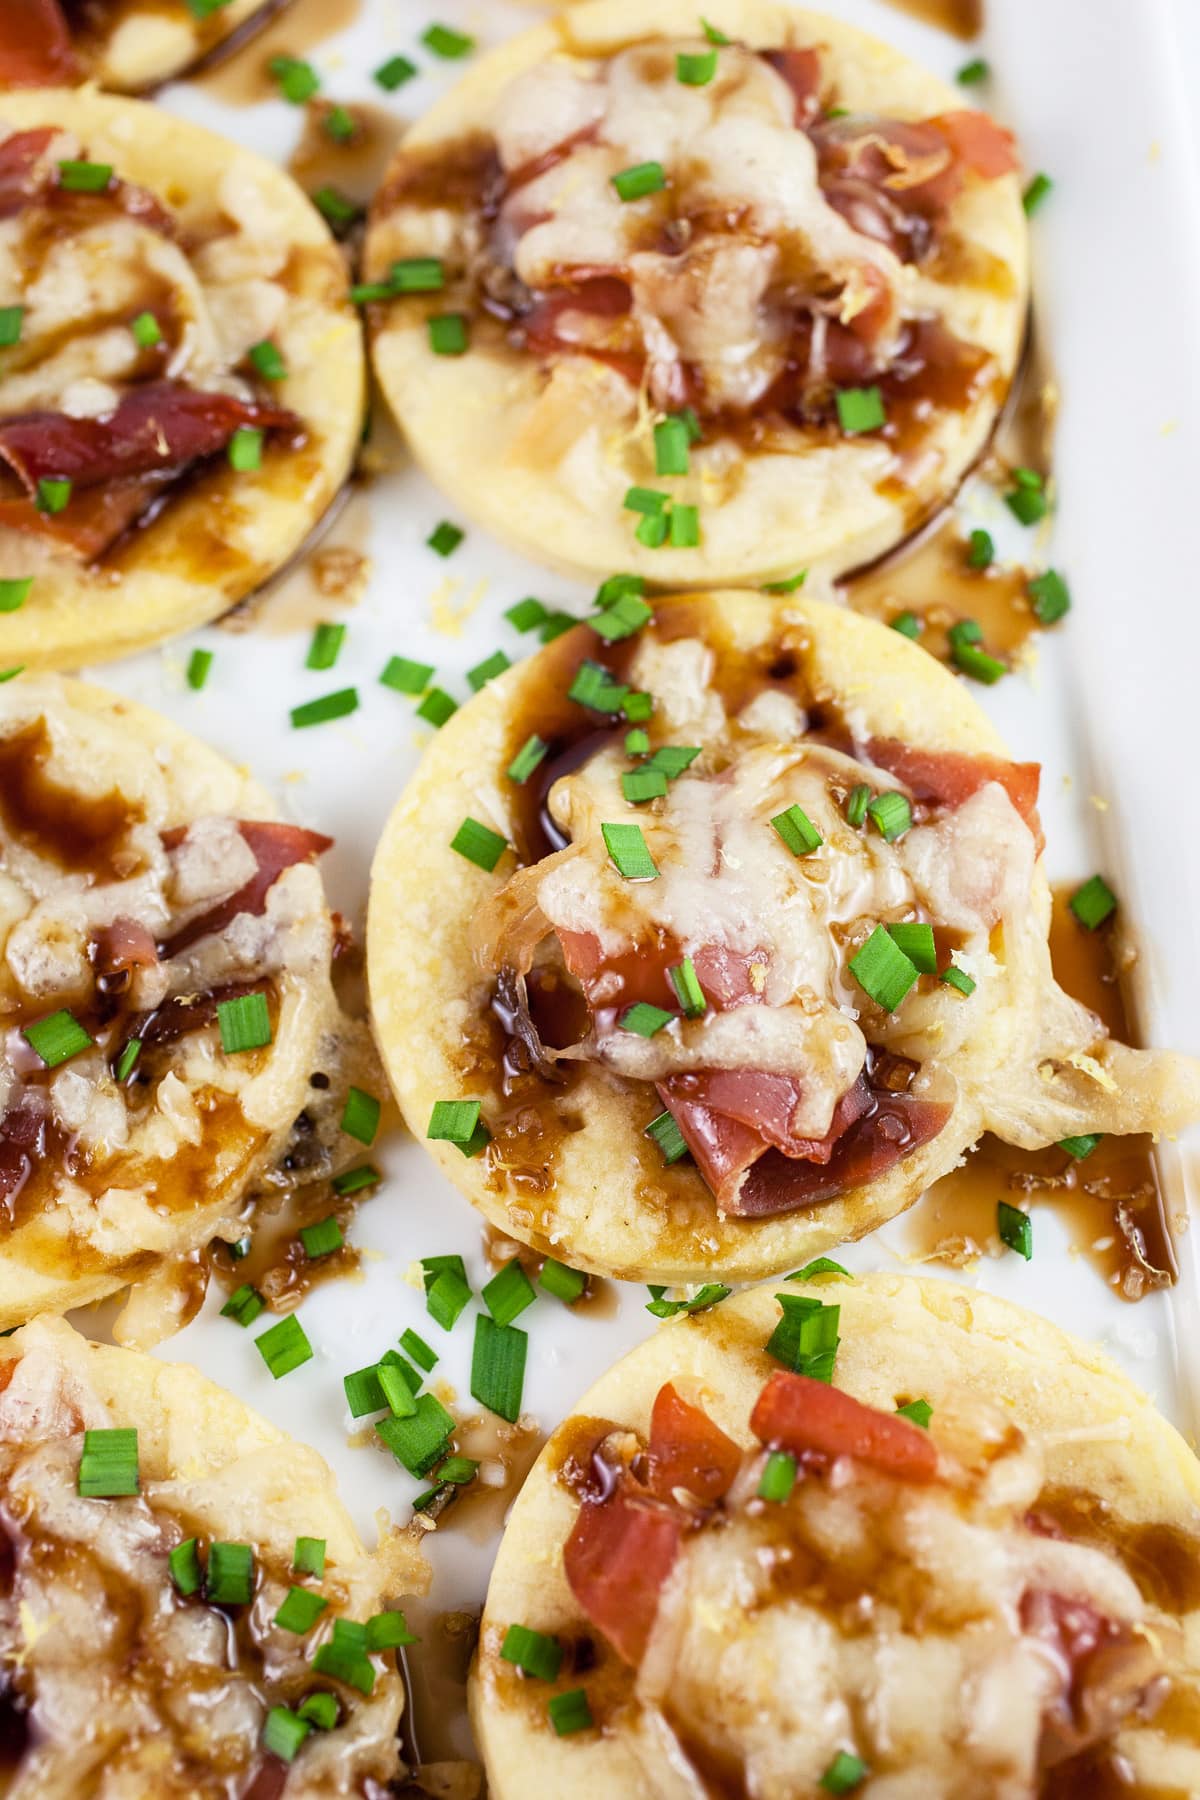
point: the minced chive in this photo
(685, 527)
(418, 1349)
(695, 69)
(860, 409)
(622, 618)
(243, 1305)
(532, 1652)
(394, 73)
(57, 1038)
(130, 1052)
(447, 1298)
(788, 585)
(711, 1294)
(527, 759)
(498, 1367)
(329, 706)
(392, 1359)
(245, 449)
(336, 209)
(360, 1116)
(890, 814)
(487, 670)
(338, 124)
(628, 852)
(396, 1388)
(569, 1712)
(666, 1134)
(352, 1181)
(11, 320)
(108, 1466)
(11, 675)
(567, 1285)
(643, 1019)
(821, 1265)
(967, 654)
(595, 688)
(1092, 904)
(980, 550)
(907, 624)
(712, 34)
(363, 1392)
(53, 494)
(1051, 597)
(614, 587)
(806, 1337)
(298, 80)
(1082, 1146)
(345, 1657)
(456, 1122)
(146, 331)
(844, 1774)
(407, 677)
(283, 1733)
(527, 614)
(797, 831)
(229, 1578)
(882, 970)
(1036, 192)
(508, 1293)
(640, 785)
(637, 742)
(284, 1346)
(644, 500)
(14, 592)
(479, 844)
(420, 1441)
(84, 177)
(918, 1411)
(445, 538)
(388, 1631)
(436, 707)
(638, 707)
(308, 1556)
(555, 624)
(320, 1709)
(671, 444)
(856, 804)
(639, 180)
(267, 361)
(972, 73)
(300, 1611)
(323, 1238)
(916, 941)
(448, 334)
(958, 978)
(778, 1477)
(417, 275)
(245, 1023)
(184, 1565)
(444, 41)
(426, 1499)
(326, 646)
(199, 664)
(1015, 1228)
(1027, 504)
(363, 293)
(688, 992)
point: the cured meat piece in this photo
(687, 1450)
(801, 69)
(616, 1559)
(35, 44)
(276, 847)
(796, 1413)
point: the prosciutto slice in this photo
(948, 778)
(276, 847)
(96, 518)
(35, 44)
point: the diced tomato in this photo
(616, 1559)
(687, 1450)
(276, 847)
(35, 44)
(795, 1413)
(978, 143)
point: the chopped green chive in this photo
(907, 624)
(567, 1285)
(1051, 597)
(283, 1347)
(345, 1657)
(555, 624)
(298, 81)
(320, 1709)
(595, 688)
(407, 677)
(972, 73)
(418, 275)
(958, 978)
(338, 212)
(628, 852)
(396, 1388)
(446, 1298)
(684, 527)
(918, 1411)
(326, 646)
(916, 941)
(437, 707)
(300, 1611)
(283, 1733)
(244, 1022)
(532, 1652)
(56, 1039)
(479, 844)
(245, 449)
(388, 1631)
(821, 1265)
(11, 320)
(11, 675)
(643, 1019)
(527, 759)
(527, 614)
(1015, 1228)
(666, 1134)
(330, 706)
(352, 1181)
(637, 742)
(844, 1774)
(108, 1466)
(882, 970)
(638, 707)
(445, 538)
(418, 1349)
(266, 360)
(498, 1367)
(1026, 500)
(569, 1712)
(184, 1565)
(420, 1441)
(443, 41)
(639, 180)
(1082, 1146)
(711, 1294)
(14, 592)
(788, 585)
(508, 1293)
(620, 620)
(363, 1391)
(797, 831)
(487, 670)
(712, 34)
(1092, 904)
(981, 550)
(364, 293)
(360, 1116)
(695, 70)
(146, 331)
(860, 409)
(688, 992)
(243, 1305)
(1036, 192)
(339, 124)
(967, 654)
(323, 1238)
(644, 500)
(308, 1557)
(53, 494)
(778, 1477)
(806, 1337)
(199, 664)
(640, 785)
(856, 804)
(84, 177)
(394, 73)
(458, 1122)
(672, 441)
(130, 1052)
(890, 814)
(229, 1578)
(616, 586)
(448, 334)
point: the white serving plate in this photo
(1097, 94)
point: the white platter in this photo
(1096, 92)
